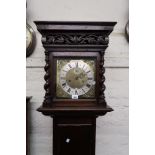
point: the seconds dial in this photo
(76, 77)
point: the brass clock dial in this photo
(76, 77)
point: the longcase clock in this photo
(74, 82)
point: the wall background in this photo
(112, 130)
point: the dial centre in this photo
(76, 78)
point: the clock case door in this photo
(74, 136)
(85, 55)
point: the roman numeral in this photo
(88, 71)
(83, 90)
(83, 66)
(77, 65)
(69, 90)
(63, 85)
(90, 78)
(70, 65)
(76, 93)
(62, 78)
(88, 85)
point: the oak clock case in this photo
(74, 82)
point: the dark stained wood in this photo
(47, 97)
(101, 79)
(80, 133)
(75, 111)
(76, 25)
(74, 121)
(28, 98)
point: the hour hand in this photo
(76, 78)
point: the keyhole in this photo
(67, 140)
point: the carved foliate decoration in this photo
(102, 79)
(76, 39)
(47, 96)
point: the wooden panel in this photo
(116, 54)
(69, 143)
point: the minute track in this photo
(76, 77)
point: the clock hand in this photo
(76, 78)
(77, 65)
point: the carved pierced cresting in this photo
(102, 79)
(76, 39)
(47, 97)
